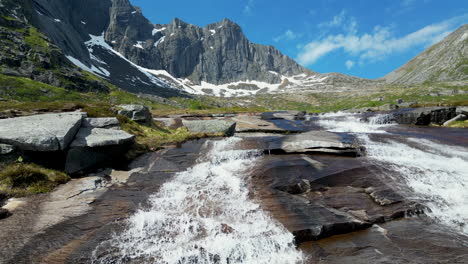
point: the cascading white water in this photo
(437, 173)
(204, 215)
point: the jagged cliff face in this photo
(112, 39)
(115, 41)
(218, 53)
(444, 61)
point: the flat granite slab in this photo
(47, 132)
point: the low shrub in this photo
(21, 179)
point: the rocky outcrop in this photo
(210, 126)
(102, 122)
(48, 132)
(96, 146)
(317, 142)
(100, 137)
(316, 197)
(138, 113)
(70, 140)
(424, 116)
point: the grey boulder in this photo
(137, 113)
(94, 147)
(317, 141)
(47, 132)
(100, 137)
(102, 122)
(210, 126)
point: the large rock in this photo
(102, 122)
(210, 126)
(95, 147)
(47, 132)
(317, 141)
(100, 137)
(137, 113)
(289, 115)
(424, 116)
(251, 123)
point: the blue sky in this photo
(365, 38)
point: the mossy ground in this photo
(153, 136)
(20, 179)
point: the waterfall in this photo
(204, 215)
(436, 173)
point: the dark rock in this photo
(4, 213)
(83, 159)
(424, 116)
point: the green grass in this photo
(459, 124)
(152, 137)
(26, 90)
(36, 40)
(20, 179)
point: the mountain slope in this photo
(446, 60)
(26, 52)
(115, 41)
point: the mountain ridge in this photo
(446, 60)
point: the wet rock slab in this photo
(321, 196)
(67, 225)
(317, 141)
(407, 240)
(253, 123)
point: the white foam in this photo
(437, 173)
(205, 215)
(351, 123)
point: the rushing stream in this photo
(437, 173)
(204, 215)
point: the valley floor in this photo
(262, 197)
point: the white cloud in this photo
(287, 35)
(377, 45)
(335, 21)
(341, 20)
(248, 7)
(349, 64)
